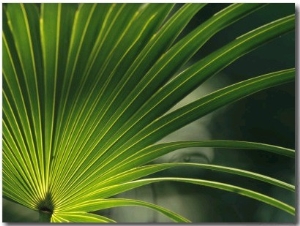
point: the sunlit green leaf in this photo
(86, 91)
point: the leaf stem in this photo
(45, 216)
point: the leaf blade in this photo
(167, 96)
(79, 217)
(213, 184)
(100, 204)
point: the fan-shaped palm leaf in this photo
(86, 90)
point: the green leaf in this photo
(80, 133)
(54, 19)
(23, 23)
(132, 94)
(213, 101)
(174, 120)
(149, 153)
(90, 86)
(162, 70)
(140, 172)
(99, 204)
(128, 160)
(79, 217)
(133, 130)
(86, 88)
(124, 171)
(116, 189)
(19, 158)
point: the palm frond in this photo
(86, 94)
